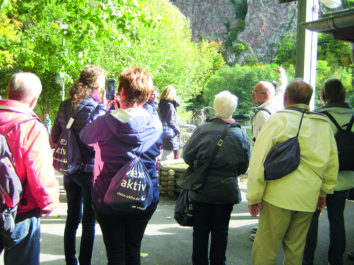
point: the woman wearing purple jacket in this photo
(117, 137)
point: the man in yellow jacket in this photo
(287, 204)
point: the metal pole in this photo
(306, 44)
(63, 84)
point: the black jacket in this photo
(221, 186)
(168, 115)
(87, 111)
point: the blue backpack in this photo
(10, 185)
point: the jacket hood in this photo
(132, 125)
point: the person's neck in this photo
(228, 120)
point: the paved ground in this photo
(166, 243)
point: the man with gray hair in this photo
(29, 144)
(269, 100)
(288, 203)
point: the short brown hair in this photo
(333, 91)
(299, 92)
(137, 84)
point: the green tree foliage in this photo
(52, 37)
(286, 54)
(239, 80)
(8, 35)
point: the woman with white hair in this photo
(213, 204)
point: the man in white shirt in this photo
(269, 100)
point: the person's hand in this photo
(253, 208)
(115, 102)
(321, 203)
(279, 70)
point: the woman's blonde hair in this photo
(85, 85)
(137, 85)
(169, 94)
(225, 104)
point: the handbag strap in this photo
(216, 149)
(302, 116)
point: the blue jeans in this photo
(122, 235)
(214, 219)
(337, 243)
(24, 245)
(78, 194)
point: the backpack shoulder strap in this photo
(18, 123)
(265, 110)
(332, 119)
(350, 124)
(72, 119)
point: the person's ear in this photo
(267, 96)
(33, 103)
(285, 100)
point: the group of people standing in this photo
(109, 138)
(289, 206)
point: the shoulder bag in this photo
(283, 158)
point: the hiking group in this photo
(103, 145)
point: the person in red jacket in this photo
(30, 149)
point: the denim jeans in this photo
(337, 242)
(214, 219)
(78, 194)
(24, 245)
(122, 235)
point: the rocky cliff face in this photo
(266, 23)
(208, 18)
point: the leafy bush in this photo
(239, 80)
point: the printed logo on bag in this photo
(132, 182)
(130, 189)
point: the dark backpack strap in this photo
(339, 128)
(350, 124)
(18, 123)
(264, 109)
(13, 127)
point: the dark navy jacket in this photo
(168, 115)
(118, 136)
(87, 111)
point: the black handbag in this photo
(283, 158)
(184, 209)
(194, 178)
